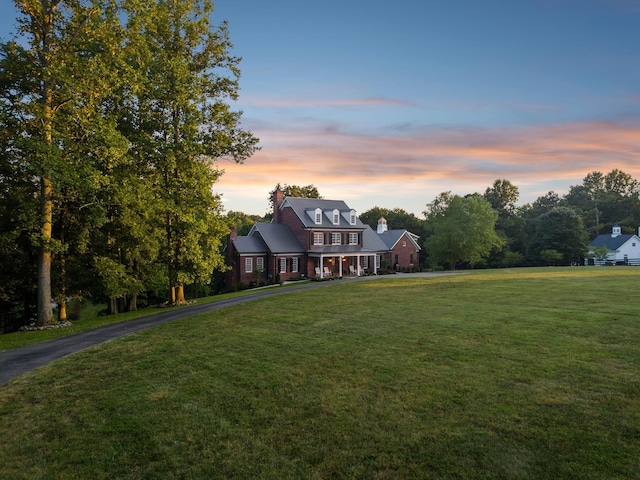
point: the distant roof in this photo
(249, 245)
(278, 237)
(391, 237)
(305, 210)
(371, 241)
(612, 243)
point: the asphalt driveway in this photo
(21, 360)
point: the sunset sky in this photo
(390, 103)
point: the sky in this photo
(389, 104)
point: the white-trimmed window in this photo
(365, 262)
(283, 265)
(352, 217)
(377, 261)
(336, 238)
(248, 264)
(353, 238)
(294, 265)
(318, 238)
(404, 243)
(260, 263)
(336, 217)
(318, 216)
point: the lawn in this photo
(521, 373)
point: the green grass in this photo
(90, 319)
(523, 374)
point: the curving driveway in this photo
(21, 360)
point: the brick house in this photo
(308, 237)
(402, 247)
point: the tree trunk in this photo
(180, 295)
(62, 310)
(132, 303)
(112, 306)
(45, 312)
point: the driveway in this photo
(21, 360)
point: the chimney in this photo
(382, 225)
(233, 234)
(278, 198)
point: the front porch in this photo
(342, 265)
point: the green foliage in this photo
(463, 230)
(120, 109)
(560, 230)
(551, 256)
(603, 200)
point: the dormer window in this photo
(336, 217)
(318, 216)
(352, 217)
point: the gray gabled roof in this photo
(612, 243)
(305, 210)
(249, 245)
(371, 242)
(278, 237)
(391, 237)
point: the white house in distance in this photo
(623, 248)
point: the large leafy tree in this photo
(462, 229)
(560, 230)
(603, 200)
(503, 196)
(52, 81)
(188, 77)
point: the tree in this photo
(604, 200)
(463, 229)
(502, 196)
(561, 230)
(298, 191)
(52, 80)
(242, 222)
(187, 75)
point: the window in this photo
(318, 238)
(336, 217)
(260, 263)
(283, 265)
(336, 238)
(365, 262)
(318, 216)
(352, 217)
(248, 264)
(411, 258)
(294, 265)
(377, 261)
(404, 243)
(353, 238)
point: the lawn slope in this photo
(529, 373)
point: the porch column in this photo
(340, 267)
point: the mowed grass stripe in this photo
(524, 373)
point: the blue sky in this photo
(390, 103)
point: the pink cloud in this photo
(414, 168)
(314, 103)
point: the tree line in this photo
(490, 229)
(113, 114)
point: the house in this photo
(402, 247)
(308, 237)
(623, 248)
